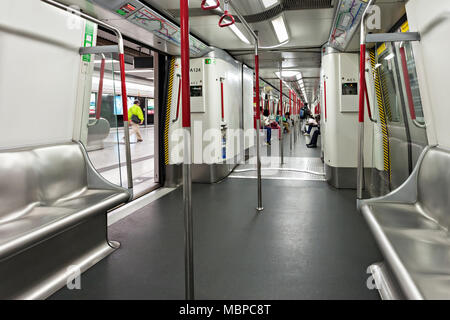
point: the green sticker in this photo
(207, 61)
(88, 39)
(121, 12)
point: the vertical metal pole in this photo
(258, 127)
(362, 85)
(281, 114)
(187, 176)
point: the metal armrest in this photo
(96, 181)
(407, 192)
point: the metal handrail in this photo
(258, 115)
(362, 81)
(225, 15)
(120, 45)
(204, 7)
(221, 99)
(433, 24)
(100, 88)
(369, 111)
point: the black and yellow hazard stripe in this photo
(168, 113)
(383, 113)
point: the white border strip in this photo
(276, 178)
(130, 208)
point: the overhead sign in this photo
(141, 15)
(346, 22)
(153, 22)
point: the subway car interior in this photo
(224, 150)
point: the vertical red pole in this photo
(258, 112)
(281, 98)
(187, 176)
(221, 99)
(259, 207)
(290, 101)
(293, 103)
(123, 86)
(362, 81)
(185, 85)
(100, 90)
(254, 106)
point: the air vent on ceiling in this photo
(306, 4)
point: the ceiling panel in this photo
(308, 30)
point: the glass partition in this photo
(104, 137)
(399, 135)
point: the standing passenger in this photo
(137, 117)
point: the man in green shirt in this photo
(136, 117)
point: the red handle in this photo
(100, 90)
(226, 14)
(204, 7)
(409, 93)
(123, 86)
(367, 101)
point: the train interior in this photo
(224, 150)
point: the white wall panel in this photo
(209, 116)
(341, 128)
(433, 64)
(39, 72)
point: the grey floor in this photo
(309, 243)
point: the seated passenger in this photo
(315, 137)
(312, 123)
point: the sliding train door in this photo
(402, 107)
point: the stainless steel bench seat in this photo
(53, 216)
(411, 227)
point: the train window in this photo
(388, 82)
(413, 81)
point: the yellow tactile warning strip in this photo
(382, 112)
(168, 108)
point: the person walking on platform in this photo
(136, 116)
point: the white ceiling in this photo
(308, 30)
